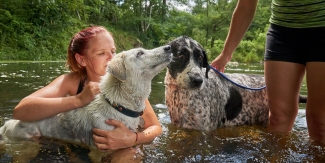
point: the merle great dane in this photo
(198, 98)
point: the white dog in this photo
(123, 93)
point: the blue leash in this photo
(241, 86)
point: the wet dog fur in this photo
(127, 83)
(198, 98)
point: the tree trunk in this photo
(163, 10)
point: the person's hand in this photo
(120, 137)
(220, 62)
(89, 92)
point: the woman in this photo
(294, 47)
(89, 52)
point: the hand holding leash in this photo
(220, 62)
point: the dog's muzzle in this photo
(167, 48)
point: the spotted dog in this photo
(124, 89)
(198, 98)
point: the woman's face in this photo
(101, 49)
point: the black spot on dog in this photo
(181, 56)
(234, 104)
(200, 56)
(206, 63)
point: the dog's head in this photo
(140, 64)
(188, 60)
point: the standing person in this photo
(294, 45)
(89, 52)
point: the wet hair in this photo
(79, 44)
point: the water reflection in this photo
(233, 144)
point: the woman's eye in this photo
(140, 53)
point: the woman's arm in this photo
(151, 124)
(52, 99)
(241, 19)
(122, 137)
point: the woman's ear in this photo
(80, 59)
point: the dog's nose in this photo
(196, 81)
(166, 48)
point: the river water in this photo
(233, 144)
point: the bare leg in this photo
(283, 80)
(315, 111)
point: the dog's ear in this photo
(116, 67)
(205, 63)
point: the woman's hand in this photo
(88, 93)
(220, 62)
(120, 137)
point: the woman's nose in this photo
(110, 56)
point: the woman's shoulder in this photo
(68, 82)
(68, 77)
(63, 85)
(71, 76)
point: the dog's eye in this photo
(181, 56)
(140, 53)
(200, 58)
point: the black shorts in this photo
(297, 45)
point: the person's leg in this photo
(283, 80)
(315, 110)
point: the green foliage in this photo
(41, 30)
(216, 50)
